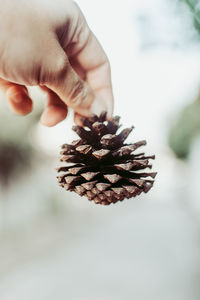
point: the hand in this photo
(48, 43)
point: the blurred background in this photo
(56, 245)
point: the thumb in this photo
(71, 89)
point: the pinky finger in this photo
(17, 96)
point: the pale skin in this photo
(48, 43)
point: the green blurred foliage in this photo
(187, 124)
(194, 6)
(185, 129)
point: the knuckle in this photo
(60, 67)
(78, 93)
(54, 70)
(106, 66)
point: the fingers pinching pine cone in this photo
(101, 166)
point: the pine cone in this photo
(101, 166)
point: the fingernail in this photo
(97, 107)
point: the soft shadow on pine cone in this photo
(101, 166)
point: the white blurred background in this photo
(56, 245)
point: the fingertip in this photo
(53, 115)
(99, 106)
(106, 99)
(18, 99)
(78, 119)
(21, 107)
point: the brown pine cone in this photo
(101, 166)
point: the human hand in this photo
(48, 43)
